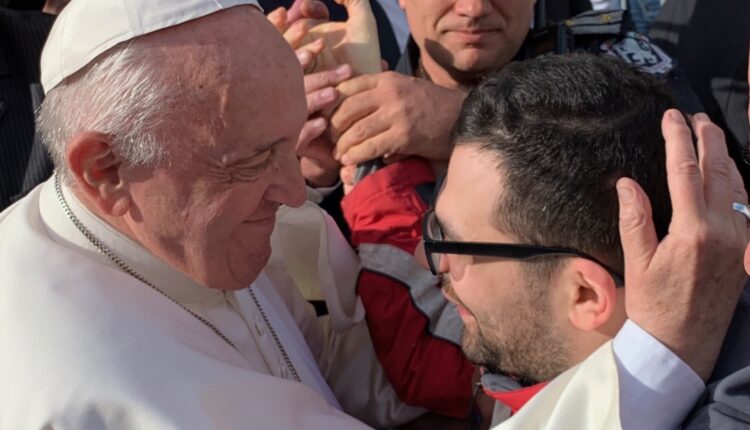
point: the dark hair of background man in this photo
(565, 128)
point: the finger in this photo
(349, 112)
(347, 174)
(355, 104)
(394, 158)
(320, 99)
(319, 149)
(311, 130)
(279, 19)
(306, 59)
(314, 9)
(683, 172)
(384, 65)
(368, 150)
(362, 130)
(359, 84)
(740, 196)
(715, 165)
(295, 12)
(297, 32)
(328, 78)
(316, 46)
(359, 11)
(308, 54)
(637, 231)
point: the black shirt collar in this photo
(409, 61)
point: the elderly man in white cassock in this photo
(125, 299)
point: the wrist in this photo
(694, 342)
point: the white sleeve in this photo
(657, 389)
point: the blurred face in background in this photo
(468, 38)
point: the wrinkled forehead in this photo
(237, 82)
(236, 44)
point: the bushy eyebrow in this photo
(449, 233)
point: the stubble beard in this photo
(518, 340)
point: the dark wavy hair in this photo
(564, 129)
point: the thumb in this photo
(279, 19)
(295, 12)
(360, 12)
(637, 231)
(315, 9)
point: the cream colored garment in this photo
(86, 346)
(586, 397)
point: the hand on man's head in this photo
(684, 289)
(388, 114)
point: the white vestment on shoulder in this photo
(584, 397)
(87, 346)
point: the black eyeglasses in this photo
(435, 246)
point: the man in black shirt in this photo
(22, 35)
(23, 30)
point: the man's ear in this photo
(592, 298)
(96, 171)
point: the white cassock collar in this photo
(174, 283)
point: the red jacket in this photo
(414, 329)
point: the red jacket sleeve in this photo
(425, 370)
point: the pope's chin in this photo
(244, 265)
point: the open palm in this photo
(354, 42)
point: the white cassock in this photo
(86, 346)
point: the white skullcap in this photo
(87, 28)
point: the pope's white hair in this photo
(121, 95)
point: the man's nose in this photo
(472, 8)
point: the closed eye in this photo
(249, 169)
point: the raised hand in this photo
(389, 114)
(684, 289)
(354, 42)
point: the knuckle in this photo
(359, 132)
(635, 220)
(323, 79)
(740, 194)
(687, 167)
(714, 132)
(721, 168)
(370, 151)
(701, 236)
(683, 133)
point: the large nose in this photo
(287, 184)
(473, 8)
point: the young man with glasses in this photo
(525, 237)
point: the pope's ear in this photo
(95, 169)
